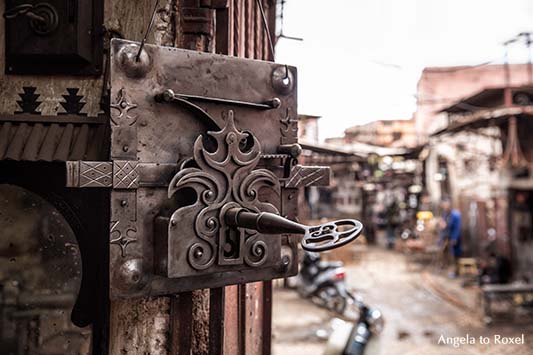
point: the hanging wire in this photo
(265, 25)
(270, 42)
(138, 56)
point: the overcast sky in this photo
(361, 59)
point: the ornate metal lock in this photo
(203, 173)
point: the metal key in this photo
(319, 238)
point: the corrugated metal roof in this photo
(54, 138)
(484, 118)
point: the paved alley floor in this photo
(416, 316)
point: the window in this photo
(396, 136)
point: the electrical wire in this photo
(138, 56)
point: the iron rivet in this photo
(291, 196)
(168, 95)
(198, 253)
(125, 148)
(123, 104)
(230, 138)
(173, 222)
(123, 203)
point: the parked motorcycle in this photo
(324, 282)
(357, 338)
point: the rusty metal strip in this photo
(231, 320)
(272, 18)
(216, 320)
(224, 30)
(181, 324)
(119, 174)
(267, 317)
(239, 29)
(248, 17)
(253, 319)
(242, 318)
(258, 31)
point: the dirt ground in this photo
(419, 306)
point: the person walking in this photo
(392, 214)
(451, 233)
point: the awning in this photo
(484, 118)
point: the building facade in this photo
(382, 133)
(440, 87)
(482, 160)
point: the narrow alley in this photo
(415, 313)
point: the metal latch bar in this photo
(169, 96)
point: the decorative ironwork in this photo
(123, 106)
(95, 174)
(124, 235)
(119, 174)
(289, 128)
(125, 174)
(223, 179)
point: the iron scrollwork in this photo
(223, 179)
(122, 235)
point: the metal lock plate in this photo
(54, 36)
(202, 132)
(195, 138)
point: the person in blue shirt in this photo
(451, 232)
